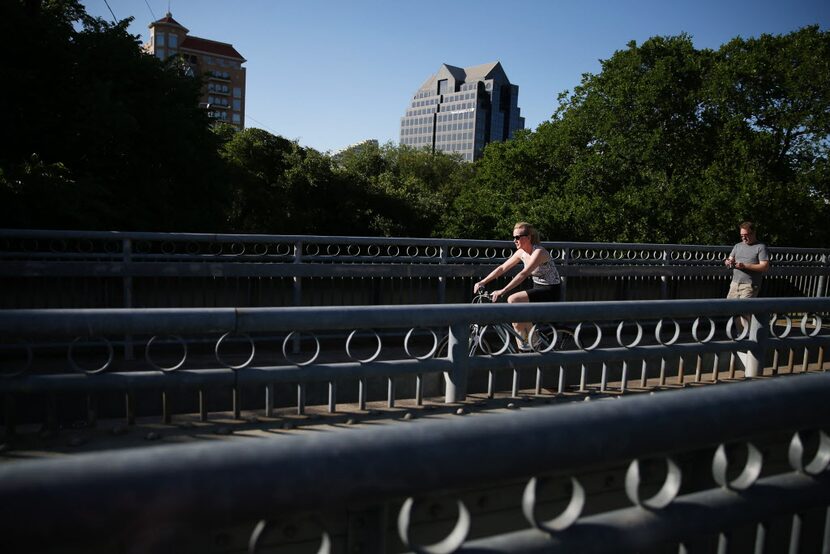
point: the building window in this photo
(173, 41)
(442, 86)
(237, 118)
(159, 39)
(160, 53)
(237, 104)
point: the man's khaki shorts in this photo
(743, 290)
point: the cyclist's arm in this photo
(537, 258)
(499, 271)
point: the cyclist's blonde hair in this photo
(530, 230)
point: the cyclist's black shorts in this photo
(543, 293)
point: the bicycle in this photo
(542, 337)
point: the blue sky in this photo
(329, 73)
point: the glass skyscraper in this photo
(462, 109)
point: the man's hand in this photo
(494, 296)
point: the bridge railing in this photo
(280, 353)
(739, 467)
(121, 269)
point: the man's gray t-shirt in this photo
(748, 254)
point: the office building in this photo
(461, 110)
(218, 62)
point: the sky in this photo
(331, 73)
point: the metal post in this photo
(822, 279)
(458, 349)
(127, 251)
(442, 280)
(758, 334)
(297, 297)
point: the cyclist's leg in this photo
(522, 328)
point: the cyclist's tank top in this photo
(545, 273)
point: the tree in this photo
(133, 148)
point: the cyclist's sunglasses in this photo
(517, 237)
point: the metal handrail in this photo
(210, 484)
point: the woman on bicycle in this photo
(538, 264)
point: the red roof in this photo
(168, 20)
(211, 47)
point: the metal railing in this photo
(118, 269)
(618, 345)
(360, 489)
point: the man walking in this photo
(749, 261)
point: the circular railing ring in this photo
(307, 362)
(490, 253)
(820, 461)
(261, 530)
(485, 346)
(231, 366)
(353, 250)
(57, 245)
(695, 327)
(455, 252)
(431, 251)
(216, 248)
(663, 497)
(173, 367)
(448, 545)
(394, 253)
(312, 249)
(561, 522)
(238, 248)
(730, 323)
(590, 254)
(168, 247)
(578, 341)
(192, 248)
(787, 328)
(261, 248)
(749, 474)
(78, 368)
(658, 332)
(373, 250)
(472, 252)
(535, 330)
(816, 321)
(371, 358)
(332, 250)
(29, 358)
(506, 252)
(636, 340)
(85, 246)
(432, 351)
(412, 251)
(604, 254)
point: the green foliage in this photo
(672, 144)
(411, 188)
(135, 150)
